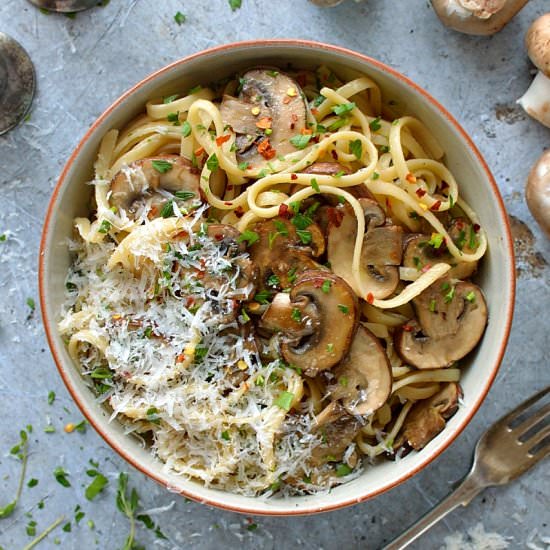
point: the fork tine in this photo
(532, 420)
(537, 438)
(520, 409)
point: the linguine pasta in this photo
(233, 237)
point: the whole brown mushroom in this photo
(536, 100)
(537, 192)
(478, 17)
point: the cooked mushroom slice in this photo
(227, 236)
(383, 246)
(537, 192)
(336, 307)
(427, 417)
(143, 179)
(326, 169)
(378, 280)
(280, 251)
(296, 319)
(451, 321)
(363, 380)
(423, 251)
(268, 100)
(338, 431)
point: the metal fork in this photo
(506, 450)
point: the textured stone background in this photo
(82, 65)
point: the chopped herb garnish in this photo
(437, 240)
(252, 527)
(432, 306)
(173, 117)
(343, 470)
(339, 174)
(273, 73)
(375, 124)
(262, 297)
(32, 482)
(179, 18)
(212, 163)
(356, 148)
(170, 98)
(472, 243)
(301, 221)
(300, 141)
(243, 165)
(450, 295)
(296, 315)
(21, 452)
(330, 348)
(281, 227)
(61, 476)
(325, 287)
(3, 237)
(186, 129)
(49, 429)
(234, 4)
(31, 304)
(226, 436)
(343, 109)
(375, 175)
(167, 210)
(101, 373)
(152, 414)
(194, 90)
(344, 309)
(162, 166)
(67, 527)
(249, 236)
(273, 280)
(104, 227)
(127, 504)
(318, 100)
(417, 262)
(338, 124)
(184, 195)
(96, 486)
(471, 296)
(305, 236)
(315, 185)
(284, 401)
(384, 149)
(291, 275)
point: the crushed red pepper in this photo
(266, 150)
(222, 139)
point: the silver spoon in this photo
(65, 6)
(17, 82)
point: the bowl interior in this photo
(496, 277)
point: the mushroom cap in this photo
(338, 315)
(363, 381)
(537, 192)
(274, 95)
(132, 182)
(378, 280)
(537, 42)
(428, 417)
(450, 324)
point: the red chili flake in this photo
(315, 139)
(426, 268)
(388, 205)
(335, 216)
(189, 301)
(199, 151)
(334, 154)
(228, 203)
(318, 283)
(294, 120)
(314, 111)
(408, 328)
(306, 131)
(293, 176)
(181, 235)
(477, 227)
(180, 358)
(284, 211)
(218, 237)
(222, 139)
(266, 150)
(420, 192)
(370, 298)
(436, 205)
(444, 185)
(459, 224)
(287, 100)
(411, 178)
(200, 274)
(264, 123)
(239, 212)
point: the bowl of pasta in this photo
(280, 291)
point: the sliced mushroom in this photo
(428, 417)
(383, 246)
(271, 96)
(420, 254)
(338, 430)
(140, 180)
(376, 280)
(296, 319)
(227, 236)
(537, 192)
(363, 380)
(451, 321)
(280, 251)
(326, 169)
(336, 306)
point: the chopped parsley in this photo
(173, 117)
(184, 195)
(305, 236)
(243, 165)
(212, 163)
(432, 306)
(291, 275)
(104, 227)
(31, 304)
(437, 240)
(344, 309)
(170, 98)
(162, 166)
(262, 297)
(226, 436)
(186, 129)
(343, 109)
(61, 476)
(330, 348)
(356, 148)
(96, 486)
(325, 287)
(450, 295)
(315, 185)
(284, 401)
(32, 482)
(249, 236)
(152, 415)
(273, 280)
(234, 4)
(296, 315)
(471, 296)
(375, 124)
(343, 470)
(179, 18)
(168, 209)
(300, 141)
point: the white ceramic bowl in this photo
(71, 198)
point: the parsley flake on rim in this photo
(179, 18)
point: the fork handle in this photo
(469, 487)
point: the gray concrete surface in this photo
(82, 65)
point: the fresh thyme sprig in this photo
(21, 452)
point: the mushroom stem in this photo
(536, 100)
(478, 17)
